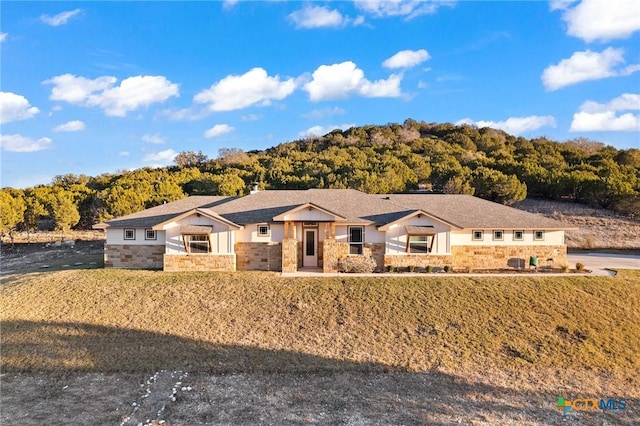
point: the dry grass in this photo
(537, 333)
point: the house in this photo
(290, 230)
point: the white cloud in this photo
(323, 130)
(514, 125)
(124, 154)
(250, 117)
(407, 8)
(240, 91)
(339, 81)
(584, 66)
(60, 18)
(154, 139)
(602, 20)
(406, 59)
(15, 107)
(228, 4)
(597, 117)
(160, 158)
(70, 126)
(317, 17)
(3, 36)
(318, 114)
(218, 130)
(19, 143)
(132, 93)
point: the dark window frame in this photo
(357, 246)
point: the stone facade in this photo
(333, 251)
(376, 250)
(493, 257)
(199, 262)
(417, 260)
(133, 256)
(289, 255)
(259, 256)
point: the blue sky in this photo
(97, 87)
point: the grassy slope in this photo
(528, 332)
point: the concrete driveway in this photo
(597, 262)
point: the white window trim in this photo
(495, 238)
(125, 234)
(521, 236)
(535, 235)
(154, 233)
(263, 225)
(187, 243)
(473, 235)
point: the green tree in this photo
(12, 209)
(64, 211)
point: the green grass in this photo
(545, 329)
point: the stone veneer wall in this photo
(375, 250)
(417, 260)
(332, 252)
(491, 257)
(133, 256)
(258, 256)
(289, 255)
(199, 262)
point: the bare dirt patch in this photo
(49, 251)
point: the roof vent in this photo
(254, 188)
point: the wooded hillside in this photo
(391, 158)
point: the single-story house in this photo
(290, 230)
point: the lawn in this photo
(531, 332)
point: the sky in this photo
(100, 87)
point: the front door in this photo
(310, 249)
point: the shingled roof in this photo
(466, 211)
(461, 211)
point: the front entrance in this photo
(310, 248)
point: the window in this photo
(478, 235)
(356, 239)
(498, 235)
(263, 230)
(129, 234)
(309, 224)
(538, 235)
(149, 234)
(420, 243)
(518, 235)
(197, 243)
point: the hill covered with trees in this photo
(390, 158)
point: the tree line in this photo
(391, 158)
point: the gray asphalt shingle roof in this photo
(462, 211)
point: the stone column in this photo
(289, 255)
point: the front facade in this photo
(318, 229)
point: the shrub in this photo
(447, 268)
(564, 267)
(412, 268)
(579, 266)
(390, 268)
(358, 264)
(429, 269)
